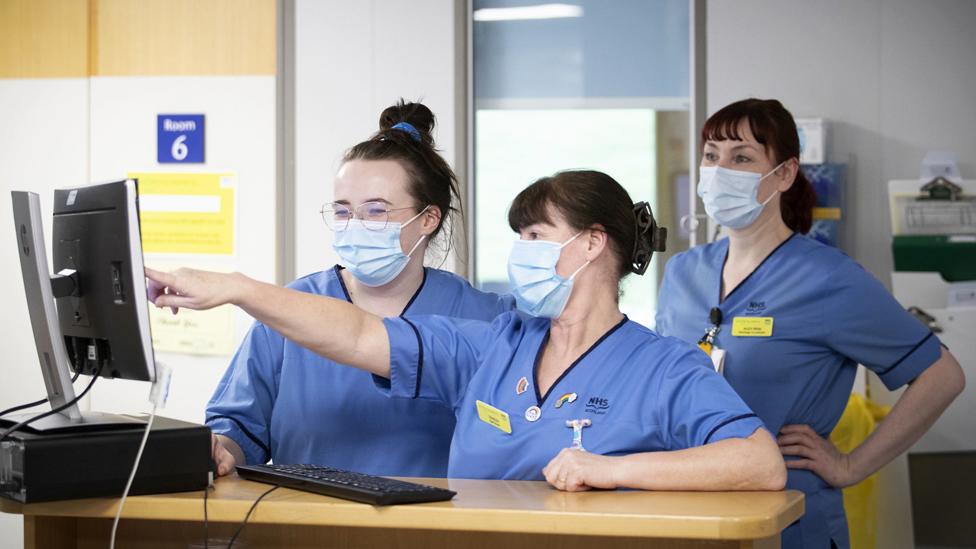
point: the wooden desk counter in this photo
(496, 514)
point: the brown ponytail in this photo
(406, 136)
(797, 204)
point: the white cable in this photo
(132, 475)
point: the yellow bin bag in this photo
(860, 500)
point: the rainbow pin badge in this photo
(522, 386)
(568, 397)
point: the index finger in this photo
(166, 279)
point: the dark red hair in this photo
(774, 128)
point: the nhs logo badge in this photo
(180, 138)
(755, 307)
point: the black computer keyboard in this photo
(344, 484)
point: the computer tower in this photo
(49, 466)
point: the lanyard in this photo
(707, 341)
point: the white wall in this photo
(895, 78)
(352, 60)
(70, 132)
(43, 146)
(240, 138)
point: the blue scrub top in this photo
(642, 392)
(829, 315)
(282, 402)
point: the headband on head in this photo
(649, 238)
(407, 128)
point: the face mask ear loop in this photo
(412, 250)
(575, 236)
(422, 237)
(771, 172)
(572, 276)
(775, 192)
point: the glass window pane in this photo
(589, 84)
(615, 141)
(588, 48)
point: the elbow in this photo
(769, 471)
(776, 479)
(960, 381)
(954, 379)
(942, 382)
(771, 474)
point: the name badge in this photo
(752, 326)
(494, 417)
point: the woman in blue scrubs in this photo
(571, 392)
(280, 401)
(787, 319)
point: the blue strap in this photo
(408, 128)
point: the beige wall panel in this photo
(43, 38)
(183, 37)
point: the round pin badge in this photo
(533, 413)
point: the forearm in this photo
(914, 413)
(333, 328)
(752, 463)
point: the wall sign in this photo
(187, 213)
(180, 138)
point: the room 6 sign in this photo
(179, 138)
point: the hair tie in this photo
(407, 128)
(648, 238)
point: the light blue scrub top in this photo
(282, 402)
(642, 392)
(829, 314)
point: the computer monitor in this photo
(101, 316)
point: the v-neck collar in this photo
(742, 283)
(540, 399)
(345, 291)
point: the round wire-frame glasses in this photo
(376, 215)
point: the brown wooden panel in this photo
(50, 532)
(43, 38)
(142, 534)
(183, 37)
(508, 507)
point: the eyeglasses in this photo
(376, 215)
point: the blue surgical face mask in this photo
(730, 196)
(538, 290)
(371, 252)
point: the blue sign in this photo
(180, 138)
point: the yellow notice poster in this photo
(192, 332)
(186, 213)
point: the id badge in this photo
(494, 417)
(752, 326)
(718, 360)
